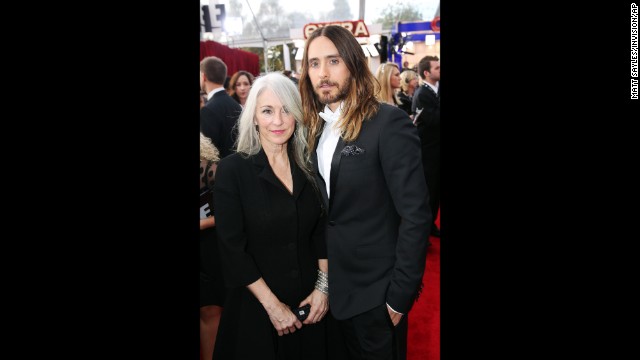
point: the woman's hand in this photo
(283, 319)
(280, 315)
(319, 306)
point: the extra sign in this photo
(357, 27)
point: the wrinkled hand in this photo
(319, 306)
(283, 319)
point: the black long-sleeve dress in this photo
(265, 231)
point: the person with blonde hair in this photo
(212, 291)
(271, 225)
(388, 75)
(409, 81)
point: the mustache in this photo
(326, 82)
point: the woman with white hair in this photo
(270, 226)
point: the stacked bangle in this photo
(322, 282)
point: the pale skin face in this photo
(434, 75)
(275, 123)
(413, 84)
(394, 80)
(242, 88)
(328, 72)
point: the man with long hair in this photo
(368, 167)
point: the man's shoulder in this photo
(222, 98)
(389, 112)
(222, 106)
(426, 90)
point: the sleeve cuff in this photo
(394, 310)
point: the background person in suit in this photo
(271, 227)
(367, 161)
(426, 100)
(219, 115)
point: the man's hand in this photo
(395, 317)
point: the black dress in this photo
(266, 231)
(405, 102)
(212, 290)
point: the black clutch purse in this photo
(302, 312)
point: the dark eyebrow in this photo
(326, 57)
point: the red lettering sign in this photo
(357, 27)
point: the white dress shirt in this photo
(213, 92)
(327, 143)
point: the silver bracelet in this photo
(322, 282)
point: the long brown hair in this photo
(234, 80)
(360, 104)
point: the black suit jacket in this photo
(378, 217)
(218, 119)
(429, 120)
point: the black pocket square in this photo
(351, 150)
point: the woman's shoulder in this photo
(235, 170)
(229, 159)
(235, 160)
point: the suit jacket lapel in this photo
(335, 167)
(299, 180)
(264, 169)
(265, 172)
(321, 184)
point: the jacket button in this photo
(332, 223)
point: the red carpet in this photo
(423, 342)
